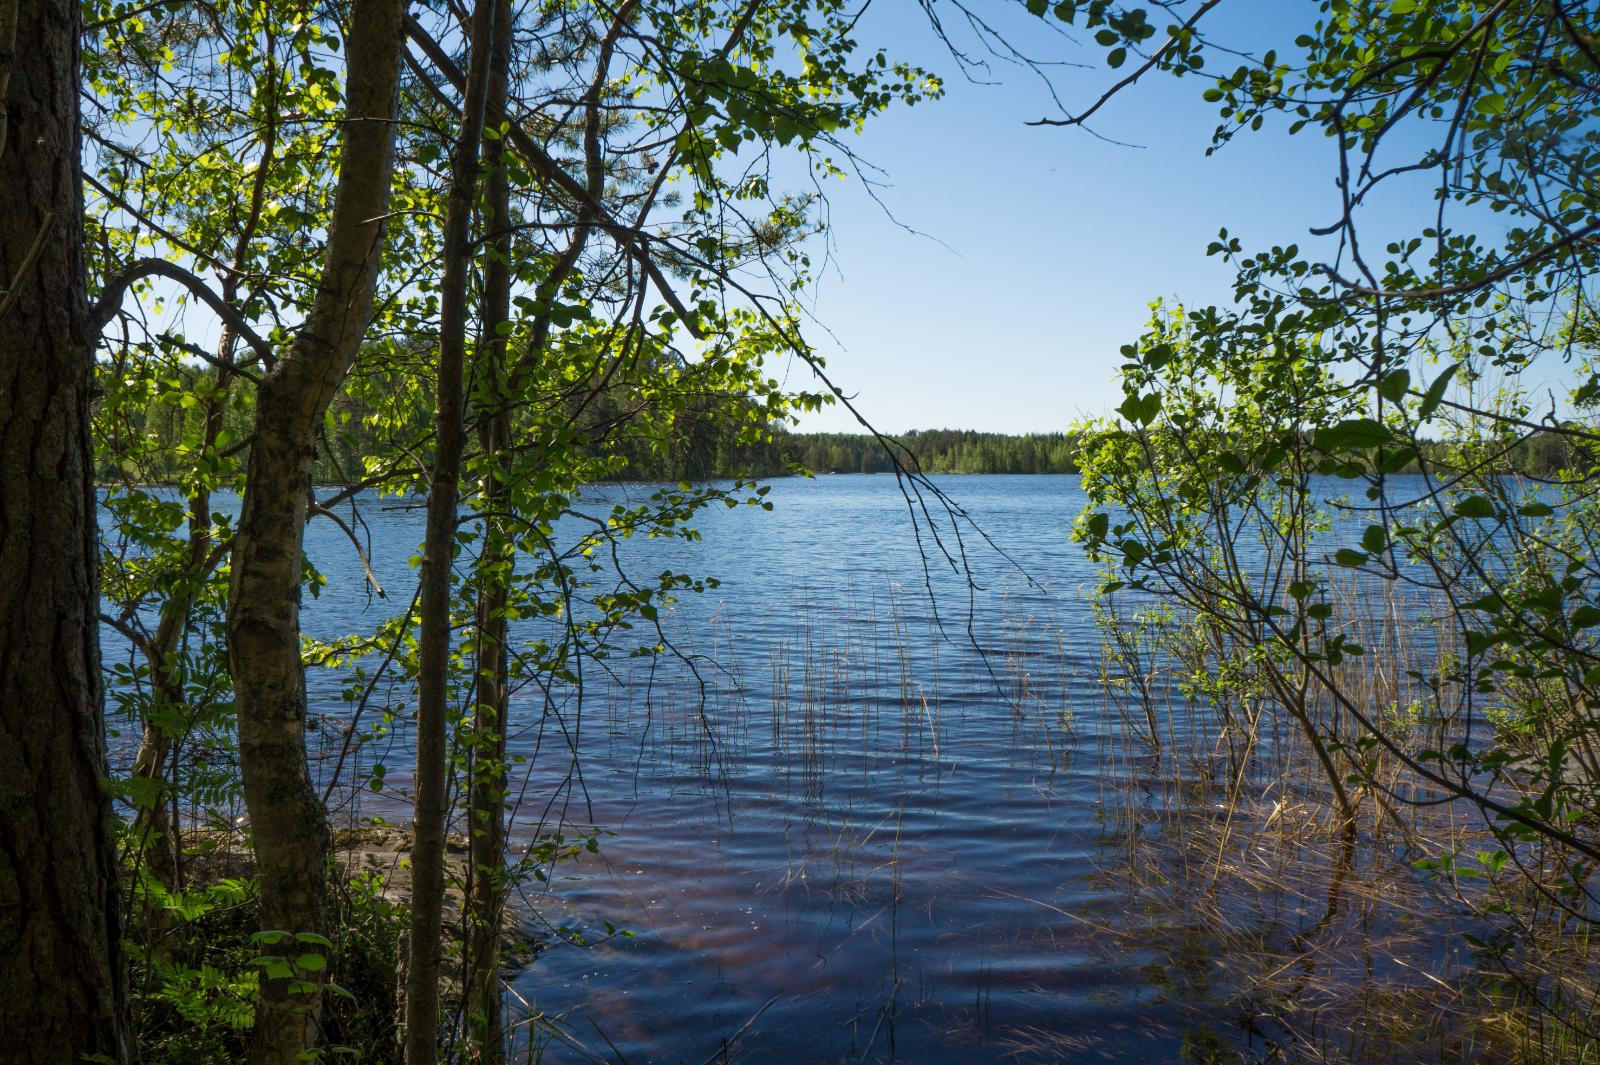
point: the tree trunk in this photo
(155, 830)
(288, 823)
(62, 987)
(487, 785)
(156, 826)
(433, 652)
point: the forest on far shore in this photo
(701, 445)
(1233, 746)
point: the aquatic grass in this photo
(1272, 924)
(1325, 939)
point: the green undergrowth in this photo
(195, 955)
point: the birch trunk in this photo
(433, 654)
(288, 823)
(487, 786)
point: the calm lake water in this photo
(850, 837)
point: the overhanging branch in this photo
(637, 244)
(117, 286)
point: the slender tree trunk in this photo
(433, 653)
(153, 823)
(487, 786)
(62, 987)
(288, 823)
(155, 826)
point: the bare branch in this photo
(1143, 69)
(117, 286)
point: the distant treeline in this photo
(1542, 454)
(935, 450)
(696, 448)
(699, 445)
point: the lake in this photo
(830, 829)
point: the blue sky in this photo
(1038, 250)
(1045, 245)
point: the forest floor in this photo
(384, 853)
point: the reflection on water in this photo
(833, 830)
(858, 832)
(865, 836)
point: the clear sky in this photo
(1037, 250)
(1044, 245)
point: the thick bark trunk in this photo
(433, 652)
(62, 991)
(287, 820)
(487, 786)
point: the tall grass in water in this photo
(844, 711)
(1283, 931)
(1397, 935)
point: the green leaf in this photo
(275, 968)
(1435, 395)
(1474, 507)
(1394, 385)
(1353, 434)
(1141, 410)
(1585, 617)
(1346, 557)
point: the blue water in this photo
(851, 837)
(887, 847)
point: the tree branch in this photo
(1144, 68)
(1577, 236)
(118, 284)
(637, 244)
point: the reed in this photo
(1318, 937)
